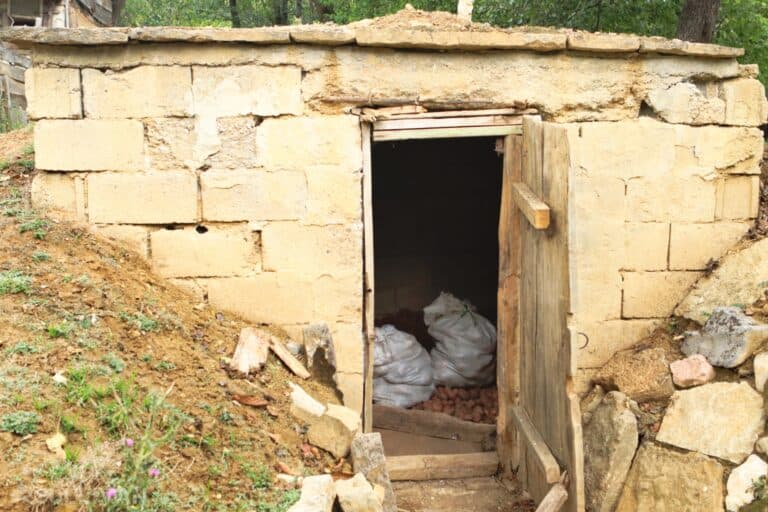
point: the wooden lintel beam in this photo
(535, 210)
(447, 133)
(439, 467)
(538, 448)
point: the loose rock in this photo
(721, 419)
(610, 441)
(368, 459)
(728, 338)
(761, 370)
(335, 429)
(664, 480)
(319, 337)
(641, 375)
(691, 371)
(741, 482)
(762, 445)
(251, 352)
(303, 406)
(590, 402)
(317, 495)
(357, 495)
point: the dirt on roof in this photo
(415, 19)
(128, 369)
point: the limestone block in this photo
(350, 385)
(740, 279)
(312, 250)
(317, 495)
(598, 341)
(653, 44)
(154, 198)
(610, 441)
(145, 91)
(357, 495)
(726, 149)
(745, 102)
(761, 371)
(254, 194)
(721, 419)
(247, 90)
(335, 429)
(53, 93)
(685, 103)
(351, 344)
(741, 483)
(135, 238)
(692, 246)
(582, 380)
(55, 192)
(330, 35)
(269, 297)
(655, 294)
(646, 246)
(89, 145)
(662, 479)
(728, 339)
(642, 375)
(691, 371)
(739, 197)
(671, 198)
(335, 196)
(338, 296)
(217, 252)
(263, 35)
(192, 287)
(303, 406)
(367, 454)
(301, 142)
(597, 42)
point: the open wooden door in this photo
(535, 343)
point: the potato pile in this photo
(480, 405)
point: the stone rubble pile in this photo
(680, 424)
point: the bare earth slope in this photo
(143, 403)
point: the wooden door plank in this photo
(433, 424)
(369, 311)
(534, 209)
(536, 445)
(446, 133)
(446, 122)
(437, 467)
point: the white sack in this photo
(465, 353)
(402, 369)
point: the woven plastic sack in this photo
(402, 369)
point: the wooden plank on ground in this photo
(368, 282)
(445, 122)
(433, 424)
(436, 467)
(534, 209)
(446, 133)
(282, 353)
(536, 445)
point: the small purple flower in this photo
(129, 442)
(111, 493)
(154, 472)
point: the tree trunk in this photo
(280, 11)
(698, 20)
(235, 13)
(299, 11)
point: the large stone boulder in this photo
(335, 429)
(357, 495)
(642, 375)
(318, 494)
(662, 480)
(367, 453)
(729, 338)
(610, 441)
(740, 279)
(721, 419)
(741, 482)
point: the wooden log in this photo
(554, 500)
(433, 424)
(538, 448)
(287, 358)
(532, 207)
(438, 467)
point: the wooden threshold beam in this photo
(535, 210)
(433, 424)
(538, 448)
(439, 467)
(447, 133)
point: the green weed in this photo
(40, 256)
(69, 425)
(260, 476)
(23, 348)
(62, 330)
(14, 281)
(165, 366)
(286, 501)
(55, 472)
(114, 362)
(36, 226)
(140, 321)
(20, 422)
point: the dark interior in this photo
(435, 214)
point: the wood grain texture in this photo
(434, 424)
(554, 500)
(369, 310)
(435, 467)
(446, 133)
(293, 364)
(535, 210)
(446, 122)
(536, 446)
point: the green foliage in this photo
(260, 476)
(23, 348)
(760, 488)
(140, 321)
(36, 226)
(20, 423)
(40, 256)
(10, 119)
(165, 366)
(62, 330)
(14, 281)
(56, 471)
(114, 362)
